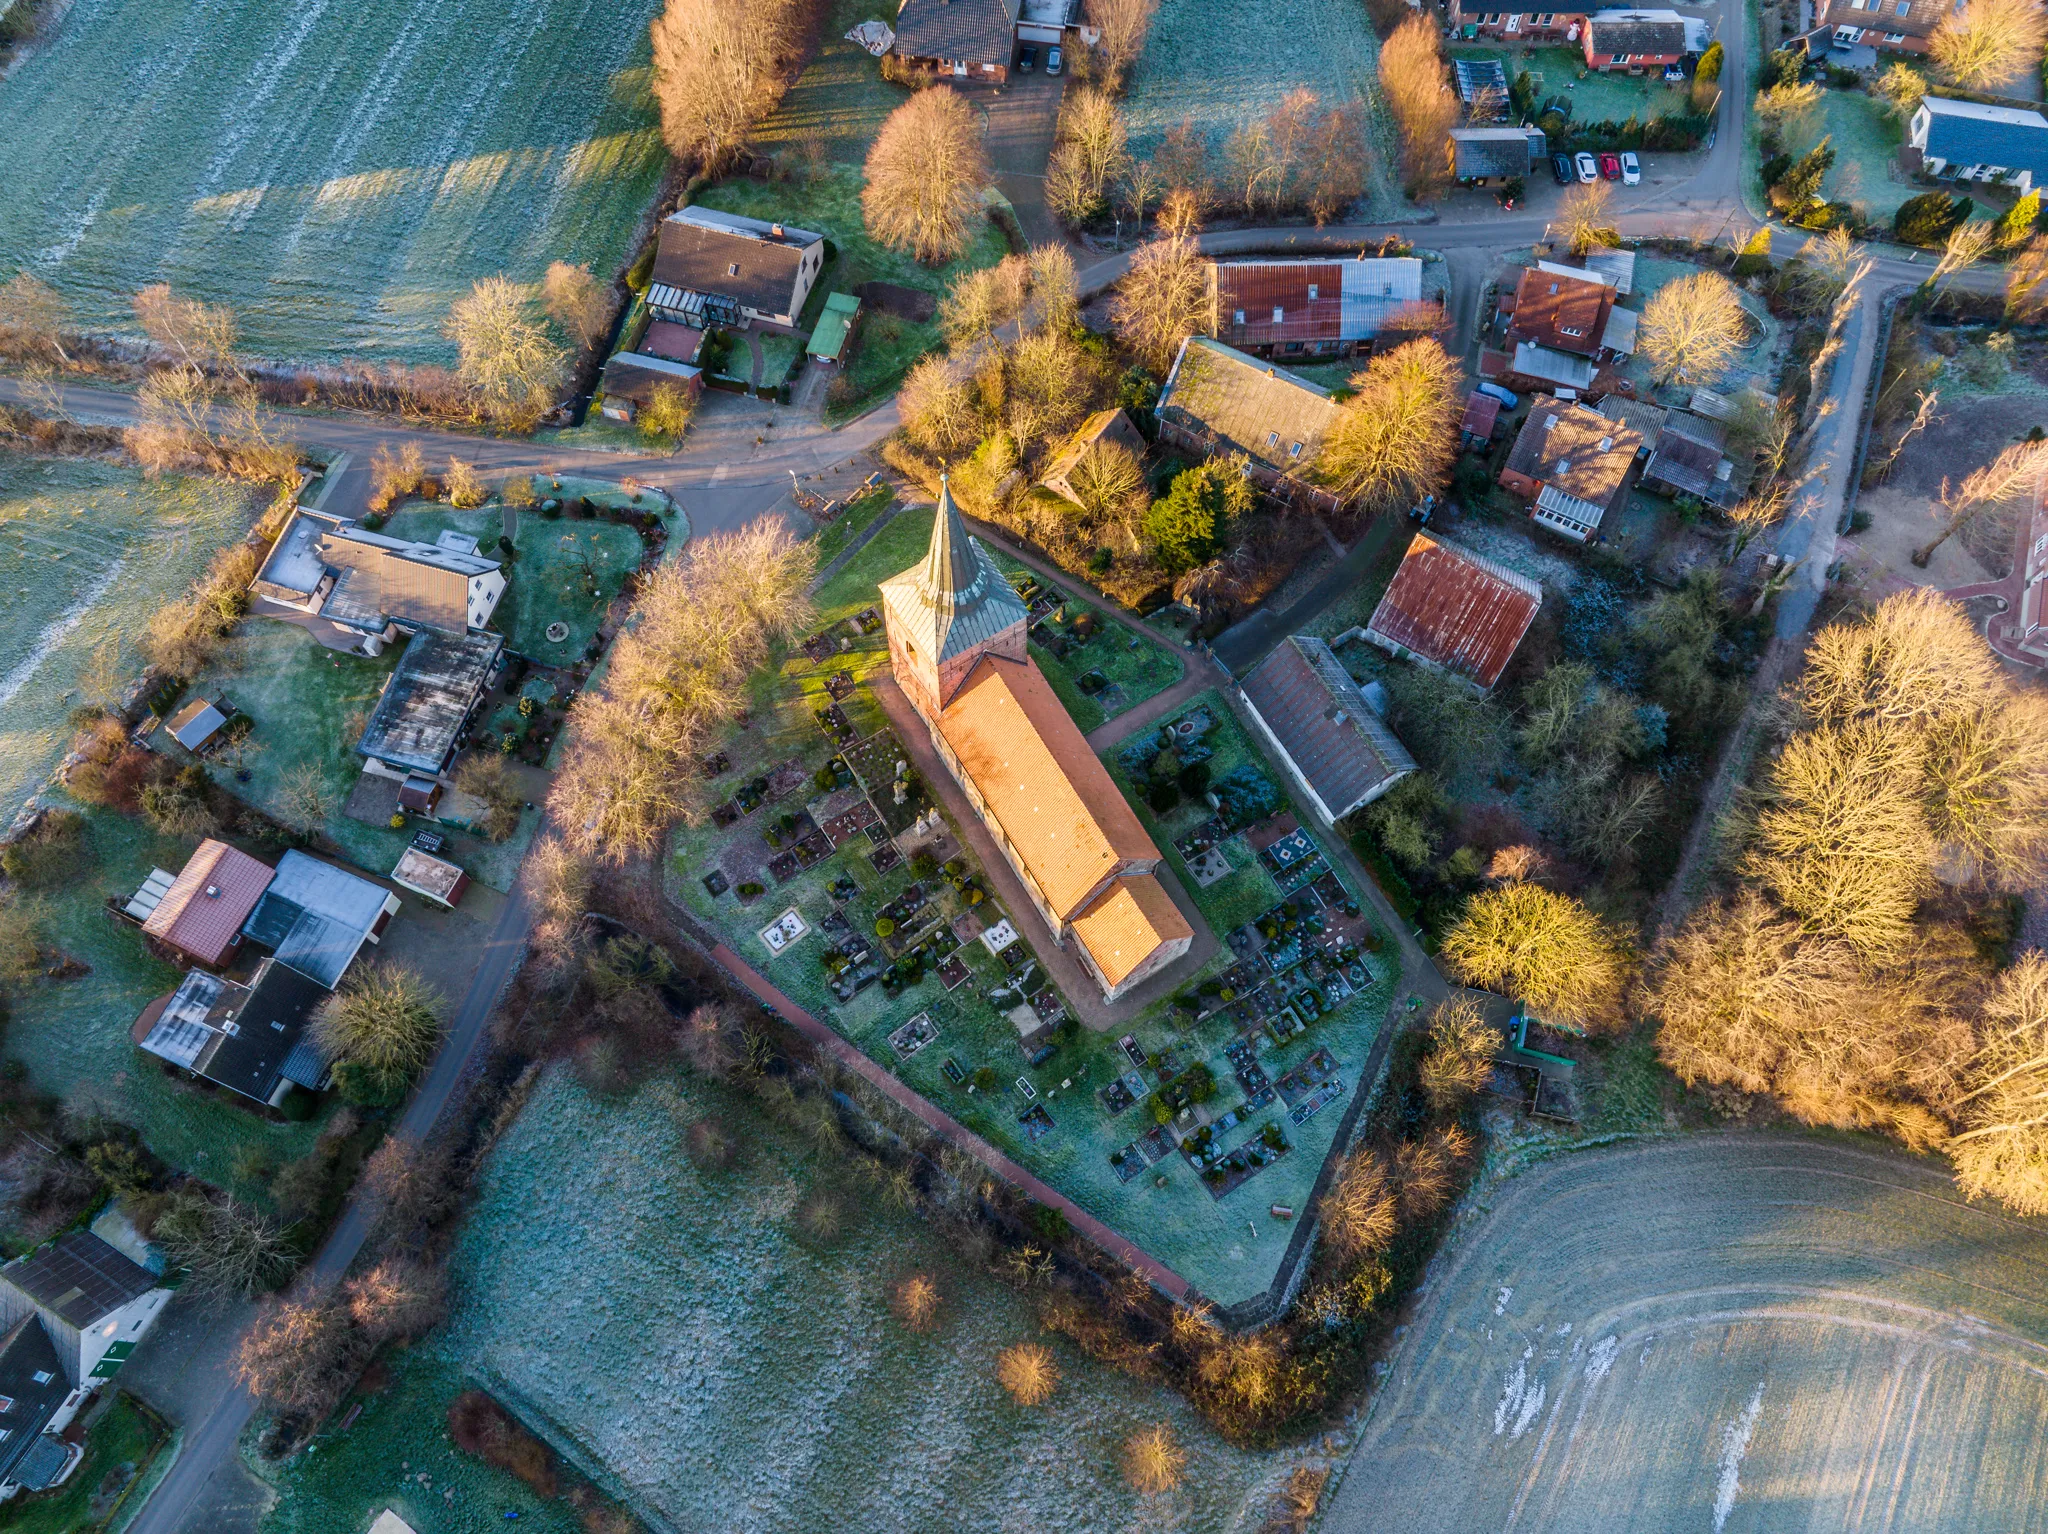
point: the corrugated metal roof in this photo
(1618, 267)
(1284, 301)
(1547, 366)
(193, 725)
(1455, 609)
(1341, 748)
(1639, 416)
(1252, 406)
(1481, 412)
(316, 916)
(1620, 335)
(182, 1030)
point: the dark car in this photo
(1028, 59)
(1561, 167)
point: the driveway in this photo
(1018, 120)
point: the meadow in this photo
(338, 173)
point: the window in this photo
(1272, 439)
(733, 270)
(1239, 317)
(44, 1376)
(1279, 314)
(1895, 38)
(1903, 9)
(1312, 292)
(6, 1404)
(1294, 451)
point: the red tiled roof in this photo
(1455, 610)
(1565, 313)
(202, 912)
(1127, 923)
(1481, 411)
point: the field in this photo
(718, 1370)
(1187, 72)
(87, 551)
(841, 96)
(1738, 1332)
(338, 173)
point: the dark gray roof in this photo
(315, 917)
(194, 725)
(29, 1400)
(980, 31)
(636, 375)
(267, 1030)
(1496, 151)
(1320, 718)
(79, 1278)
(427, 699)
(701, 250)
(1635, 35)
(1967, 133)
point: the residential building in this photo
(418, 724)
(714, 268)
(252, 1039)
(1563, 309)
(1641, 417)
(1454, 611)
(33, 1388)
(1616, 268)
(956, 636)
(833, 334)
(970, 40)
(93, 1303)
(1309, 308)
(1968, 141)
(1480, 155)
(1339, 752)
(1690, 458)
(198, 913)
(316, 917)
(630, 379)
(1572, 464)
(1634, 41)
(1105, 426)
(1218, 400)
(1523, 21)
(354, 589)
(1890, 26)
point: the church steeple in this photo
(952, 576)
(948, 610)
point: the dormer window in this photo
(1279, 314)
(1312, 292)
(733, 270)
(1570, 330)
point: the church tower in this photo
(946, 612)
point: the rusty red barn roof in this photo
(1452, 608)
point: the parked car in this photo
(1561, 167)
(1673, 73)
(1052, 61)
(1610, 166)
(1028, 59)
(1588, 171)
(1631, 169)
(1509, 400)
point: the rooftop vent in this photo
(776, 230)
(213, 892)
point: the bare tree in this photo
(1923, 414)
(1459, 1056)
(1162, 301)
(303, 799)
(1782, 106)
(24, 920)
(1693, 328)
(32, 316)
(398, 1300)
(1055, 289)
(1544, 947)
(1361, 1210)
(577, 302)
(937, 404)
(1122, 25)
(925, 176)
(1586, 218)
(1394, 440)
(667, 413)
(511, 366)
(2026, 283)
(385, 1018)
(1989, 42)
(201, 335)
(1093, 149)
(394, 476)
(1153, 1461)
(1423, 103)
(2010, 477)
(2001, 1148)
(1964, 247)
(1108, 481)
(717, 72)
(1334, 164)
(486, 777)
(982, 301)
(1901, 88)
(226, 1248)
(299, 1357)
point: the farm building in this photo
(1480, 155)
(1339, 752)
(1311, 308)
(957, 649)
(1218, 400)
(1513, 20)
(200, 912)
(1572, 464)
(316, 917)
(435, 878)
(1454, 610)
(834, 332)
(196, 724)
(630, 379)
(93, 1304)
(726, 269)
(417, 725)
(1111, 426)
(1890, 26)
(1690, 458)
(354, 589)
(250, 1038)
(1968, 141)
(1635, 40)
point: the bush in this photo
(1927, 219)
(1163, 797)
(1194, 779)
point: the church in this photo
(957, 649)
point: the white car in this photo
(1631, 170)
(1589, 169)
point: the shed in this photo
(1454, 610)
(435, 878)
(630, 379)
(1484, 154)
(196, 724)
(1482, 411)
(1339, 752)
(835, 328)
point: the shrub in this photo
(1927, 219)
(1194, 779)
(1028, 1372)
(518, 491)
(1162, 797)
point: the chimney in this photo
(775, 230)
(213, 892)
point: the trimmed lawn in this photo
(1866, 143)
(122, 1443)
(1600, 97)
(779, 356)
(841, 97)
(856, 519)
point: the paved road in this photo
(1739, 1333)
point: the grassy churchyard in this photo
(890, 950)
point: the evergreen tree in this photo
(1188, 524)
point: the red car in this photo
(1610, 166)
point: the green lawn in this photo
(852, 522)
(119, 1449)
(1601, 97)
(1866, 140)
(779, 356)
(841, 96)
(830, 204)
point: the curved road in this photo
(1739, 1333)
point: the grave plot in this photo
(1035, 1122)
(914, 1035)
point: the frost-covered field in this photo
(725, 1374)
(338, 171)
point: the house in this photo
(1689, 458)
(672, 342)
(354, 589)
(197, 724)
(33, 1388)
(435, 878)
(1480, 155)
(1482, 412)
(1634, 40)
(835, 327)
(1524, 21)
(1968, 141)
(1455, 611)
(1218, 400)
(1309, 308)
(1111, 426)
(630, 379)
(199, 913)
(958, 39)
(1573, 464)
(956, 636)
(316, 917)
(1339, 752)
(1562, 309)
(92, 1303)
(1644, 419)
(251, 1039)
(417, 726)
(1890, 26)
(724, 269)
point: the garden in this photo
(338, 174)
(123, 1439)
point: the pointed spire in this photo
(952, 574)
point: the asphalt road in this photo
(1728, 1334)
